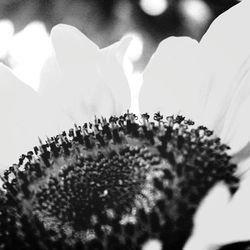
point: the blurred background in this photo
(25, 26)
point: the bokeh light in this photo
(154, 7)
(135, 49)
(196, 10)
(152, 245)
(196, 16)
(25, 41)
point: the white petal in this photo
(82, 91)
(110, 65)
(171, 78)
(221, 220)
(50, 80)
(242, 160)
(225, 49)
(81, 87)
(50, 90)
(24, 118)
(237, 215)
(208, 216)
(236, 132)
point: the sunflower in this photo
(120, 180)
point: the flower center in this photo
(116, 183)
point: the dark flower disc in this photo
(113, 185)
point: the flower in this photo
(209, 82)
(125, 182)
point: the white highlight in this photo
(28, 50)
(152, 245)
(6, 32)
(154, 7)
(132, 55)
(196, 9)
(135, 49)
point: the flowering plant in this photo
(124, 182)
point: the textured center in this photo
(116, 183)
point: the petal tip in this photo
(62, 33)
(182, 41)
(61, 27)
